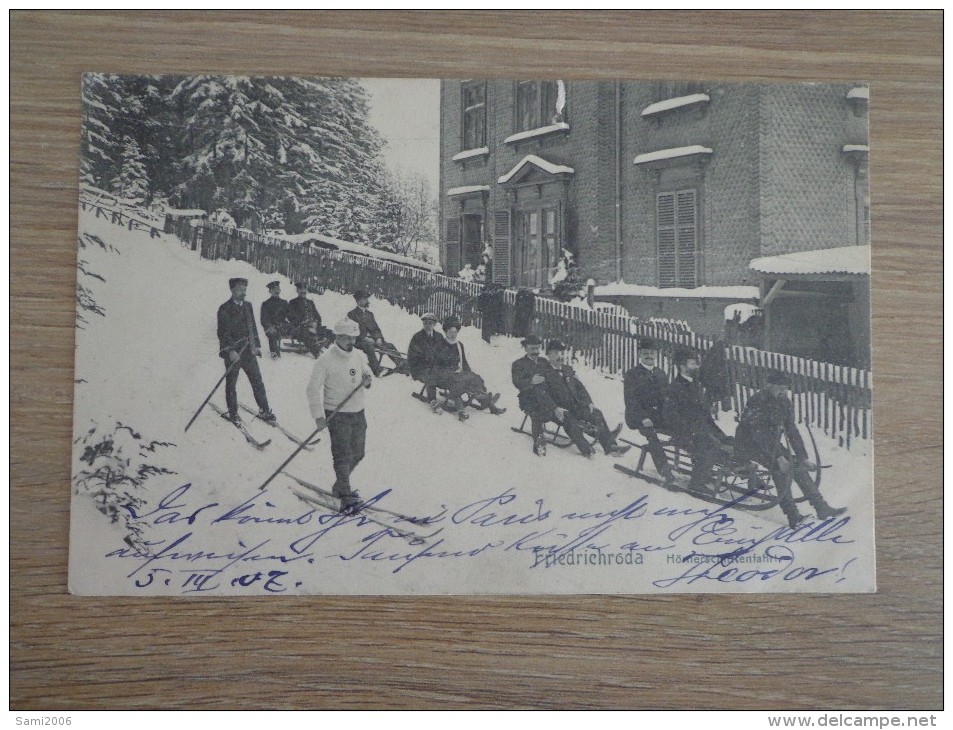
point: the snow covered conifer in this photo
(132, 182)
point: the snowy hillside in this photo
(495, 508)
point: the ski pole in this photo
(220, 380)
(309, 438)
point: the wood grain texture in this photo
(866, 651)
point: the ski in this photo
(334, 504)
(285, 431)
(260, 445)
(361, 507)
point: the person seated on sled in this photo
(371, 339)
(573, 402)
(274, 318)
(688, 418)
(529, 375)
(456, 376)
(422, 357)
(768, 417)
(644, 387)
(306, 322)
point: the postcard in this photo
(480, 336)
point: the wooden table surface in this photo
(875, 651)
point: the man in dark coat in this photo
(274, 318)
(688, 418)
(529, 375)
(643, 388)
(490, 304)
(422, 357)
(574, 404)
(457, 377)
(371, 340)
(306, 322)
(239, 347)
(767, 417)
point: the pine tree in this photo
(132, 182)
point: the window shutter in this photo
(452, 248)
(687, 239)
(665, 231)
(501, 247)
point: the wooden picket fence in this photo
(830, 398)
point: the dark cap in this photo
(301, 285)
(556, 345)
(776, 377)
(451, 322)
(232, 283)
(647, 343)
(532, 340)
(361, 294)
(682, 354)
(274, 284)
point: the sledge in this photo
(558, 436)
(443, 394)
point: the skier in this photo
(306, 322)
(274, 318)
(455, 374)
(371, 339)
(337, 372)
(644, 387)
(422, 357)
(574, 406)
(688, 418)
(767, 417)
(239, 347)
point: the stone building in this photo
(664, 192)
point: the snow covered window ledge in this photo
(467, 190)
(538, 132)
(661, 158)
(858, 98)
(470, 154)
(678, 103)
(856, 152)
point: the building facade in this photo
(663, 186)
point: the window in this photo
(539, 104)
(536, 245)
(677, 237)
(474, 115)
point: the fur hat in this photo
(347, 326)
(232, 283)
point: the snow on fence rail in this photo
(832, 398)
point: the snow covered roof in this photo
(185, 212)
(694, 149)
(859, 92)
(542, 164)
(620, 288)
(468, 190)
(853, 260)
(674, 103)
(538, 132)
(467, 154)
(347, 246)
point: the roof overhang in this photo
(530, 163)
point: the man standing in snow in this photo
(274, 318)
(767, 418)
(239, 347)
(644, 388)
(337, 373)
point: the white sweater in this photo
(336, 373)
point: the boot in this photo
(539, 446)
(267, 416)
(826, 512)
(436, 407)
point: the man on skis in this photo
(336, 398)
(239, 347)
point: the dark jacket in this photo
(367, 323)
(236, 323)
(566, 390)
(713, 374)
(686, 412)
(523, 312)
(274, 313)
(531, 395)
(644, 393)
(451, 354)
(765, 420)
(423, 353)
(302, 310)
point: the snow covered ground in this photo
(501, 520)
